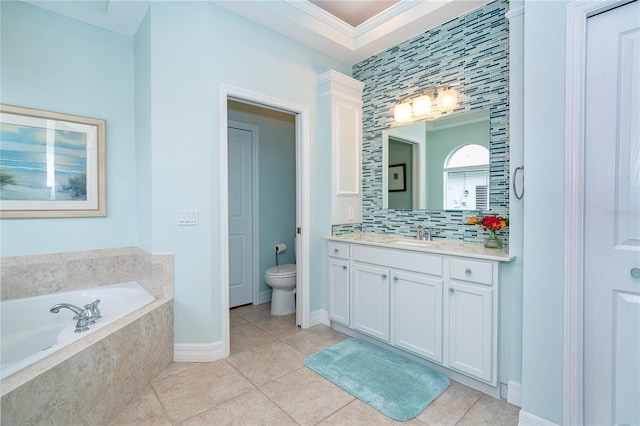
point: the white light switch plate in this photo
(187, 217)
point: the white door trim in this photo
(255, 200)
(574, 180)
(302, 198)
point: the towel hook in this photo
(515, 190)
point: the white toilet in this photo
(282, 280)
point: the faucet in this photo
(84, 316)
(423, 233)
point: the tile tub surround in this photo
(88, 382)
(33, 275)
(96, 376)
(471, 50)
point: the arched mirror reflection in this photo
(440, 164)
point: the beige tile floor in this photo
(263, 382)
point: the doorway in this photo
(302, 190)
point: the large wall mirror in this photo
(439, 164)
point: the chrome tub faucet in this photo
(84, 316)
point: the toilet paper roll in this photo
(280, 247)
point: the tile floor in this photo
(263, 382)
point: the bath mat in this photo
(394, 385)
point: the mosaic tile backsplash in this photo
(472, 51)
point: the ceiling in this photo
(348, 30)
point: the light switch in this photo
(187, 217)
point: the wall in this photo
(542, 340)
(57, 64)
(471, 50)
(162, 133)
(277, 182)
(194, 48)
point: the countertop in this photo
(453, 248)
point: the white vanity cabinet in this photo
(339, 279)
(473, 317)
(440, 307)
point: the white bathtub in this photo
(30, 332)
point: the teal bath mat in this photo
(396, 386)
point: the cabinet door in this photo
(417, 314)
(471, 329)
(339, 291)
(370, 300)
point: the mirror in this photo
(439, 164)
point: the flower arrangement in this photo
(492, 224)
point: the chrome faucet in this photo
(84, 316)
(423, 233)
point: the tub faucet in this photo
(82, 315)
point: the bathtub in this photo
(30, 332)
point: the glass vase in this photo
(493, 242)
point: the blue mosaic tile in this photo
(471, 50)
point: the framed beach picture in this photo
(397, 178)
(51, 164)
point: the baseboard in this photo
(528, 419)
(264, 297)
(320, 316)
(198, 352)
(514, 393)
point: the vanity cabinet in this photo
(370, 300)
(441, 307)
(340, 118)
(339, 279)
(417, 314)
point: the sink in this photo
(416, 243)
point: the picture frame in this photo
(397, 178)
(51, 164)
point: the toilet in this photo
(282, 280)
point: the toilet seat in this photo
(282, 271)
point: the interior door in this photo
(240, 219)
(612, 224)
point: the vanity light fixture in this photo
(402, 112)
(446, 100)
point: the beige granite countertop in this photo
(453, 248)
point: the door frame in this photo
(575, 93)
(303, 200)
(255, 197)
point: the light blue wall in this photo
(57, 64)
(163, 132)
(276, 182)
(542, 342)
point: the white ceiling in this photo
(347, 30)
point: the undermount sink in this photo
(416, 243)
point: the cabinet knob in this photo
(452, 290)
(384, 276)
(467, 271)
(395, 279)
(344, 267)
(635, 272)
(335, 250)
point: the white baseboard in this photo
(197, 352)
(514, 393)
(528, 419)
(320, 316)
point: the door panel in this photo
(240, 223)
(612, 205)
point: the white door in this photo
(240, 219)
(612, 222)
